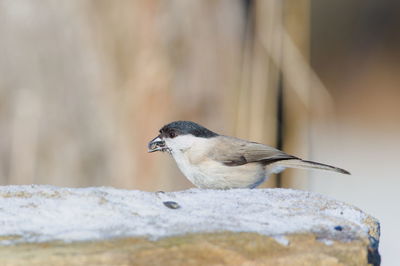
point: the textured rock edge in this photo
(225, 248)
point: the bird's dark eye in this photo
(172, 134)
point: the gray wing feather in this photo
(232, 152)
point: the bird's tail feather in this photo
(298, 163)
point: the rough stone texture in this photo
(41, 225)
(199, 249)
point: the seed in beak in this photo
(157, 144)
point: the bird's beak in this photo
(157, 144)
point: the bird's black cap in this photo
(177, 128)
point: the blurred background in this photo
(85, 84)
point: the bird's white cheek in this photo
(180, 143)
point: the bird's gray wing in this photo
(233, 152)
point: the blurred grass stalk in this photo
(280, 43)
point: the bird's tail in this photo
(298, 163)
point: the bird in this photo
(213, 161)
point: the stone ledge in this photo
(198, 249)
(42, 225)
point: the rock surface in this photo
(42, 225)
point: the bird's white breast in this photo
(190, 154)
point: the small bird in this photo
(214, 161)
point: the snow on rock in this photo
(44, 213)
